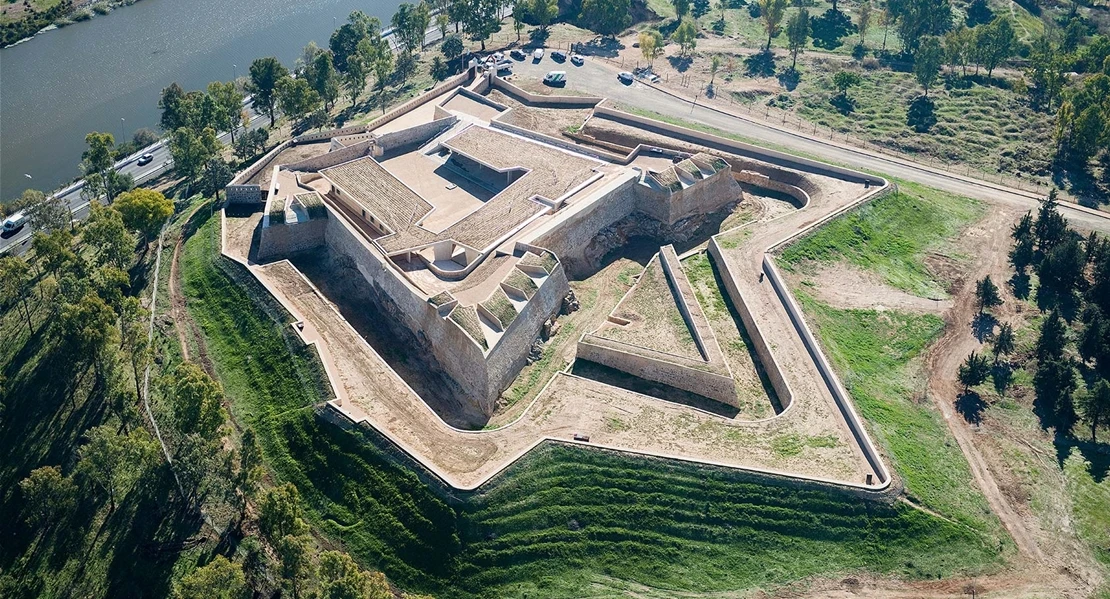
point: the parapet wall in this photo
(279, 241)
(703, 197)
(261, 163)
(244, 194)
(658, 367)
(538, 100)
(413, 135)
(330, 159)
(801, 198)
(570, 237)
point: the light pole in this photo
(122, 128)
(234, 73)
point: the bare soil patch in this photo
(845, 286)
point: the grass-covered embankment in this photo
(561, 519)
(890, 237)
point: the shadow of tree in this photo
(970, 405)
(760, 64)
(843, 103)
(829, 28)
(1002, 374)
(1020, 285)
(1096, 455)
(789, 79)
(982, 326)
(600, 46)
(921, 116)
(538, 37)
(680, 63)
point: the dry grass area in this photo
(549, 121)
(654, 321)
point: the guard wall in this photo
(279, 241)
(675, 371)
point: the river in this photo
(88, 76)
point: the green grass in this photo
(876, 355)
(563, 518)
(890, 236)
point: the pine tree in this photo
(986, 293)
(1050, 345)
(973, 371)
(1004, 342)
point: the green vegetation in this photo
(874, 353)
(499, 305)
(890, 236)
(655, 321)
(467, 319)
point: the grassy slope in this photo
(890, 237)
(561, 519)
(876, 352)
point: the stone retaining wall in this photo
(280, 241)
(658, 367)
(413, 135)
(332, 158)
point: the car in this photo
(498, 56)
(558, 55)
(537, 55)
(15, 222)
(517, 54)
(652, 77)
(625, 77)
(555, 78)
(145, 159)
(505, 67)
(577, 59)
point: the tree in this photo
(97, 160)
(252, 142)
(250, 471)
(452, 47)
(986, 294)
(54, 250)
(345, 41)
(843, 80)
(973, 371)
(681, 8)
(481, 17)
(686, 35)
(229, 104)
(978, 12)
(1054, 383)
(439, 68)
(280, 513)
(196, 401)
(341, 578)
(325, 79)
(422, 20)
(606, 17)
(383, 67)
(863, 21)
(701, 8)
(196, 459)
(1083, 121)
(927, 62)
(88, 328)
(15, 285)
(1050, 227)
(407, 28)
(144, 210)
(958, 47)
(191, 150)
(519, 14)
(714, 66)
(217, 174)
(265, 73)
(772, 12)
(916, 20)
(1094, 406)
(296, 564)
(176, 108)
(47, 213)
(1003, 342)
(1061, 272)
(544, 12)
(219, 579)
(994, 43)
(797, 34)
(296, 97)
(114, 461)
(651, 44)
(1045, 72)
(105, 232)
(47, 497)
(1052, 340)
(355, 77)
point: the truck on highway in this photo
(15, 222)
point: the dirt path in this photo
(943, 360)
(183, 324)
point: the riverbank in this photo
(20, 22)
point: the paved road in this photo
(599, 78)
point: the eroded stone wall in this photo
(279, 241)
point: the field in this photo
(891, 237)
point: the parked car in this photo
(517, 54)
(505, 67)
(625, 77)
(145, 159)
(537, 55)
(498, 56)
(577, 59)
(559, 56)
(555, 78)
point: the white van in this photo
(555, 78)
(16, 221)
(538, 54)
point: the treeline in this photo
(1070, 360)
(33, 22)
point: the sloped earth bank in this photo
(844, 286)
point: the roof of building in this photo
(379, 192)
